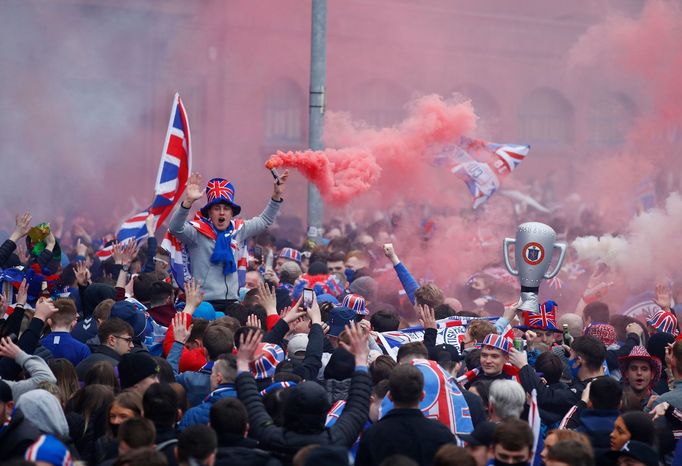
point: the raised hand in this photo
(124, 253)
(426, 316)
(22, 293)
(150, 223)
(248, 345)
(81, 249)
(663, 297)
(22, 253)
(193, 296)
(8, 349)
(267, 298)
(50, 241)
(518, 358)
(194, 189)
(180, 330)
(45, 308)
(253, 321)
(23, 224)
(82, 274)
(279, 186)
(389, 252)
(358, 343)
(292, 314)
(314, 311)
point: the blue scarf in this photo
(223, 250)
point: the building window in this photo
(546, 117)
(380, 103)
(285, 113)
(611, 117)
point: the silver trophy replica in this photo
(533, 249)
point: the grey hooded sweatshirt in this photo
(200, 248)
(36, 368)
(45, 412)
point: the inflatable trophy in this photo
(533, 249)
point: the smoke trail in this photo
(377, 158)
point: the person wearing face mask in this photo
(586, 361)
(215, 239)
(512, 444)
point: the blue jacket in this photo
(200, 413)
(197, 384)
(63, 345)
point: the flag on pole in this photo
(171, 178)
(534, 423)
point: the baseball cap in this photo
(482, 435)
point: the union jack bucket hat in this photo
(220, 191)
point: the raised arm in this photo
(258, 224)
(34, 366)
(178, 225)
(408, 282)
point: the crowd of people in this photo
(268, 352)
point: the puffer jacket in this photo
(336, 389)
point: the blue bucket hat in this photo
(339, 317)
(220, 191)
(205, 310)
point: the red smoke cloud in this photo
(376, 158)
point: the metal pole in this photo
(318, 76)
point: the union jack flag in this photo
(664, 322)
(543, 320)
(443, 400)
(269, 356)
(218, 189)
(171, 179)
(482, 177)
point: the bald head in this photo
(574, 322)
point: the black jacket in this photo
(99, 353)
(233, 450)
(285, 442)
(19, 434)
(403, 432)
(554, 400)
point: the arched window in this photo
(546, 117)
(380, 103)
(485, 105)
(610, 118)
(285, 107)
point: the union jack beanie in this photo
(291, 254)
(356, 303)
(664, 322)
(268, 357)
(49, 450)
(500, 342)
(219, 191)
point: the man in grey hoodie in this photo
(215, 239)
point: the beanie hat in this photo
(95, 294)
(135, 367)
(341, 365)
(292, 269)
(49, 450)
(365, 286)
(603, 332)
(127, 311)
(306, 408)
